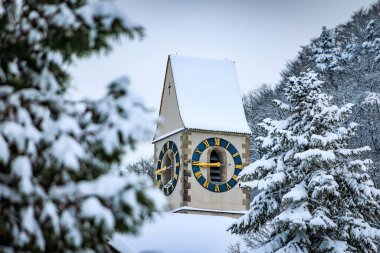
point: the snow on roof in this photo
(176, 232)
(208, 94)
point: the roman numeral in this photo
(206, 143)
(238, 167)
(228, 186)
(198, 151)
(228, 144)
(236, 154)
(198, 174)
(206, 183)
(235, 177)
(217, 188)
(217, 141)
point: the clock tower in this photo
(201, 142)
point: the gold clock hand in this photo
(162, 170)
(218, 164)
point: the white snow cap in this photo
(208, 94)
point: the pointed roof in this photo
(208, 94)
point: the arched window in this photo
(215, 172)
(168, 161)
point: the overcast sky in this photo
(259, 35)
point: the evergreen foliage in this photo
(346, 59)
(314, 192)
(57, 193)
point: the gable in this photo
(170, 119)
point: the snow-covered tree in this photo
(57, 190)
(327, 56)
(314, 193)
(371, 46)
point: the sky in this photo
(261, 36)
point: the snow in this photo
(23, 169)
(184, 208)
(69, 222)
(4, 150)
(372, 98)
(168, 134)
(108, 11)
(50, 212)
(67, 151)
(326, 155)
(30, 224)
(208, 94)
(298, 215)
(92, 208)
(298, 192)
(176, 232)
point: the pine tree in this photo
(314, 193)
(327, 57)
(371, 47)
(57, 190)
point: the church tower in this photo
(201, 143)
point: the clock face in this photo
(213, 174)
(167, 170)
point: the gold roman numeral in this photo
(235, 177)
(236, 154)
(217, 141)
(238, 167)
(206, 143)
(206, 183)
(167, 145)
(198, 174)
(228, 186)
(177, 164)
(228, 145)
(217, 188)
(198, 151)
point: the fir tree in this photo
(57, 193)
(327, 56)
(314, 193)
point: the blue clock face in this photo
(215, 167)
(168, 167)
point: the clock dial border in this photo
(216, 142)
(169, 145)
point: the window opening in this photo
(169, 164)
(215, 172)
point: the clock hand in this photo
(218, 164)
(162, 170)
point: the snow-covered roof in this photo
(176, 232)
(208, 94)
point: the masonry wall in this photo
(195, 195)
